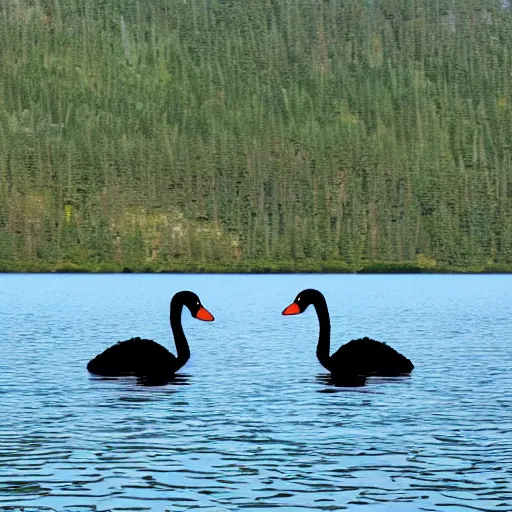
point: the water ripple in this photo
(252, 421)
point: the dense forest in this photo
(267, 135)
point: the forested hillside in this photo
(266, 134)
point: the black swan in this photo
(146, 357)
(356, 359)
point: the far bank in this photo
(256, 267)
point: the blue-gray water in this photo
(250, 424)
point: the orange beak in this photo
(205, 315)
(292, 309)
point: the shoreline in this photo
(301, 267)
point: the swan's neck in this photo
(324, 337)
(182, 349)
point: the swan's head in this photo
(191, 300)
(302, 301)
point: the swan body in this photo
(135, 356)
(355, 360)
(143, 357)
(370, 357)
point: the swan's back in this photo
(370, 357)
(134, 356)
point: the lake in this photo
(251, 422)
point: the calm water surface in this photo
(251, 423)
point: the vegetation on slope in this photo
(270, 135)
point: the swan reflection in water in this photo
(174, 379)
(177, 379)
(337, 384)
(350, 381)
